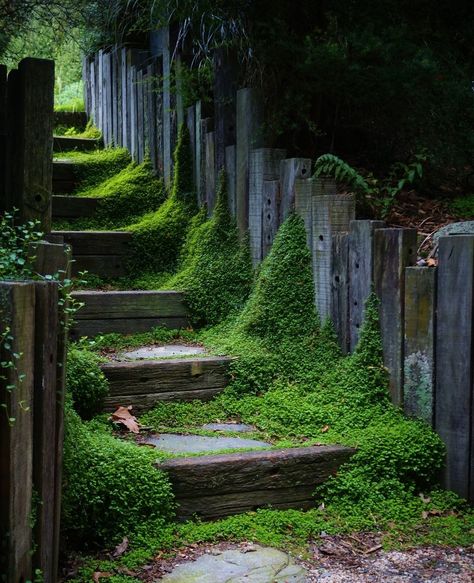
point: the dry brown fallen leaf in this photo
(325, 429)
(123, 416)
(100, 575)
(121, 548)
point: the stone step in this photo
(64, 177)
(128, 312)
(102, 253)
(213, 486)
(144, 383)
(73, 207)
(68, 143)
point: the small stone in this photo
(462, 228)
(174, 443)
(228, 427)
(165, 351)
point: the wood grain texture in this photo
(394, 249)
(143, 383)
(73, 207)
(340, 289)
(68, 143)
(270, 217)
(110, 266)
(225, 76)
(144, 402)
(64, 178)
(361, 272)
(3, 136)
(419, 330)
(219, 485)
(210, 171)
(230, 177)
(16, 441)
(126, 325)
(291, 169)
(96, 242)
(455, 361)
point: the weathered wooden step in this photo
(64, 176)
(128, 312)
(68, 143)
(71, 119)
(213, 486)
(73, 207)
(101, 253)
(145, 383)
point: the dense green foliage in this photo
(110, 486)
(86, 382)
(216, 270)
(159, 236)
(15, 241)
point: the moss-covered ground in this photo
(289, 380)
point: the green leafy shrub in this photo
(159, 236)
(216, 270)
(15, 240)
(86, 382)
(110, 486)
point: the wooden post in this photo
(3, 137)
(133, 109)
(30, 140)
(205, 129)
(361, 272)
(167, 125)
(198, 139)
(92, 74)
(420, 322)
(340, 289)
(454, 415)
(210, 173)
(125, 95)
(303, 206)
(100, 87)
(225, 73)
(17, 313)
(191, 125)
(230, 177)
(394, 249)
(140, 117)
(249, 135)
(270, 223)
(331, 215)
(264, 165)
(291, 170)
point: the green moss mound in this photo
(159, 236)
(93, 168)
(110, 486)
(216, 270)
(282, 304)
(86, 382)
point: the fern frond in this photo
(330, 165)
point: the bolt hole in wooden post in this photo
(303, 172)
(357, 266)
(337, 279)
(269, 202)
(321, 238)
(38, 198)
(355, 303)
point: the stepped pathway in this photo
(207, 480)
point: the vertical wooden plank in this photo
(210, 173)
(271, 191)
(340, 289)
(31, 140)
(303, 206)
(191, 125)
(206, 128)
(264, 164)
(106, 106)
(230, 177)
(3, 137)
(93, 106)
(225, 75)
(291, 170)
(118, 84)
(198, 138)
(455, 360)
(159, 117)
(17, 308)
(151, 111)
(178, 68)
(125, 98)
(361, 272)
(249, 136)
(394, 249)
(140, 118)
(419, 330)
(114, 96)
(133, 113)
(44, 423)
(331, 214)
(146, 113)
(167, 125)
(100, 89)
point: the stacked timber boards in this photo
(128, 312)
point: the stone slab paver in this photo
(462, 228)
(229, 427)
(166, 351)
(174, 443)
(260, 565)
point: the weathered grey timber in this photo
(394, 249)
(230, 177)
(76, 119)
(73, 207)
(64, 177)
(127, 312)
(270, 222)
(340, 289)
(291, 170)
(454, 361)
(264, 165)
(198, 141)
(303, 206)
(191, 125)
(206, 128)
(145, 383)
(30, 132)
(166, 91)
(67, 143)
(219, 485)
(361, 272)
(210, 173)
(249, 136)
(225, 69)
(3, 135)
(331, 215)
(140, 117)
(124, 94)
(419, 329)
(16, 440)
